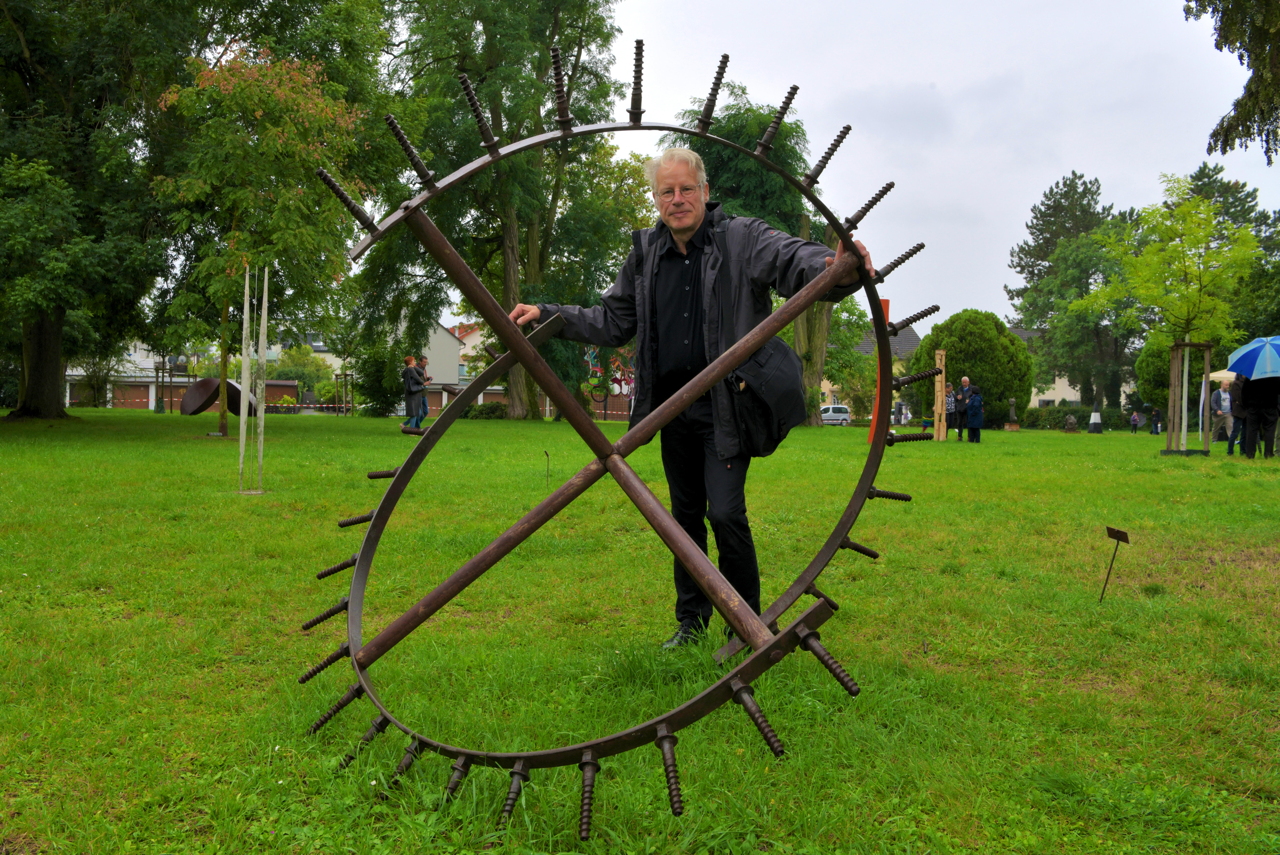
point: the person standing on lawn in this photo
(962, 407)
(973, 410)
(1262, 408)
(951, 408)
(1220, 404)
(1133, 423)
(423, 379)
(412, 391)
(1238, 415)
(670, 296)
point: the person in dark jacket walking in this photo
(1262, 408)
(975, 413)
(674, 296)
(412, 391)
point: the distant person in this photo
(412, 391)
(975, 411)
(1220, 404)
(1238, 415)
(962, 407)
(1262, 408)
(424, 407)
(1155, 421)
(1133, 423)
(951, 408)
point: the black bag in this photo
(768, 397)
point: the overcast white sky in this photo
(974, 109)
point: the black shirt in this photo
(677, 296)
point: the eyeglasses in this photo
(685, 192)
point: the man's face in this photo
(1226, 387)
(681, 202)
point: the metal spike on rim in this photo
(379, 726)
(383, 473)
(859, 548)
(563, 119)
(811, 641)
(339, 567)
(852, 222)
(426, 176)
(875, 493)
(326, 614)
(900, 382)
(818, 594)
(361, 215)
(589, 768)
(519, 774)
(635, 112)
(666, 743)
(898, 326)
(355, 690)
(898, 262)
(811, 177)
(766, 141)
(341, 653)
(893, 439)
(460, 767)
(360, 520)
(744, 695)
(486, 135)
(708, 109)
(410, 755)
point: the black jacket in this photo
(762, 259)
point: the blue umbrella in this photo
(1257, 359)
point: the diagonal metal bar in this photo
(435, 243)
(722, 595)
(418, 614)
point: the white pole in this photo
(1186, 380)
(262, 370)
(244, 375)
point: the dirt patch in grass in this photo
(20, 844)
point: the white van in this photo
(835, 414)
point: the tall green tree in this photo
(260, 127)
(1256, 306)
(527, 225)
(1250, 29)
(979, 346)
(747, 189)
(848, 370)
(1061, 262)
(1179, 269)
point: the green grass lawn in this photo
(149, 617)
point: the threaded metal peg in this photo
(486, 135)
(589, 768)
(460, 768)
(634, 112)
(337, 609)
(745, 695)
(811, 177)
(354, 691)
(859, 548)
(339, 567)
(893, 439)
(874, 493)
(360, 520)
(899, 382)
(563, 119)
(810, 641)
(852, 222)
(378, 727)
(518, 776)
(383, 473)
(898, 262)
(426, 176)
(666, 743)
(341, 653)
(766, 141)
(412, 431)
(898, 326)
(708, 109)
(814, 592)
(361, 215)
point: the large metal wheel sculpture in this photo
(769, 644)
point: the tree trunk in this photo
(42, 385)
(224, 362)
(522, 399)
(1111, 388)
(812, 329)
(1086, 390)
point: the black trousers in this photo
(703, 487)
(1237, 435)
(975, 434)
(1260, 423)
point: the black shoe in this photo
(689, 632)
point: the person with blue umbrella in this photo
(1259, 360)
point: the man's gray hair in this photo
(686, 156)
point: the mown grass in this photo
(149, 615)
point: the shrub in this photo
(1055, 418)
(979, 346)
(494, 410)
(286, 401)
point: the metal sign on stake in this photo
(1119, 537)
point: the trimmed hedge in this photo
(1055, 418)
(494, 410)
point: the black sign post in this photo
(1119, 537)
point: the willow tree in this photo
(521, 224)
(258, 129)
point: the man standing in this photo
(1220, 403)
(1262, 407)
(692, 286)
(412, 391)
(962, 407)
